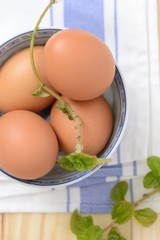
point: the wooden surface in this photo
(25, 226)
(47, 226)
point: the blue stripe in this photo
(131, 190)
(119, 155)
(68, 200)
(116, 58)
(116, 30)
(134, 168)
(96, 198)
(86, 15)
(51, 16)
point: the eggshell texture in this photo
(28, 145)
(78, 64)
(97, 122)
(18, 82)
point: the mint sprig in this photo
(122, 210)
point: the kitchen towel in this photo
(130, 29)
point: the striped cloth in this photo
(130, 30)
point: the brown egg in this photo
(28, 145)
(18, 82)
(97, 121)
(78, 64)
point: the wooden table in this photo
(55, 226)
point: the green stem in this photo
(53, 93)
(79, 145)
(78, 126)
(112, 224)
(103, 160)
(146, 196)
(33, 40)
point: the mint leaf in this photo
(151, 181)
(79, 224)
(82, 161)
(122, 212)
(146, 217)
(82, 237)
(119, 191)
(154, 164)
(114, 234)
(77, 161)
(40, 93)
(94, 232)
(65, 163)
(83, 227)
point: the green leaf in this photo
(82, 237)
(82, 161)
(77, 161)
(151, 181)
(83, 227)
(40, 93)
(79, 224)
(119, 191)
(122, 212)
(65, 163)
(114, 234)
(154, 164)
(146, 217)
(94, 232)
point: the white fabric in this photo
(136, 51)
